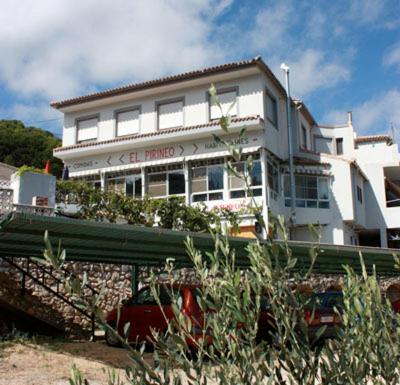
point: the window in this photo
(304, 137)
(228, 100)
(170, 114)
(359, 194)
(207, 183)
(323, 145)
(129, 185)
(127, 122)
(271, 109)
(167, 182)
(86, 129)
(273, 179)
(311, 191)
(237, 186)
(339, 146)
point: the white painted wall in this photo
(195, 110)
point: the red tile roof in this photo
(373, 138)
(155, 133)
(257, 62)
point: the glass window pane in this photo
(157, 185)
(138, 187)
(236, 182)
(286, 185)
(176, 183)
(257, 192)
(215, 196)
(256, 174)
(323, 190)
(199, 185)
(312, 204)
(323, 205)
(237, 194)
(300, 203)
(129, 189)
(199, 197)
(215, 178)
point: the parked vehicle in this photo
(143, 314)
(322, 311)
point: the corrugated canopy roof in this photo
(21, 235)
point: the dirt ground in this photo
(49, 363)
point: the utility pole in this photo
(292, 218)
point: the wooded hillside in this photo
(31, 146)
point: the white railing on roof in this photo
(7, 205)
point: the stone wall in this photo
(115, 280)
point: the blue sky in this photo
(344, 55)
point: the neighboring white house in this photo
(156, 138)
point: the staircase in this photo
(50, 281)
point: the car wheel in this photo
(111, 337)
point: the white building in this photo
(156, 138)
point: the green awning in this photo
(21, 235)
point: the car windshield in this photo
(327, 300)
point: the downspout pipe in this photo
(292, 218)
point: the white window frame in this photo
(246, 193)
(221, 91)
(166, 172)
(124, 177)
(208, 192)
(123, 110)
(272, 192)
(269, 95)
(166, 102)
(85, 118)
(318, 201)
(327, 138)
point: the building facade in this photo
(156, 138)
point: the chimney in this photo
(350, 118)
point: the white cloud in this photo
(57, 49)
(372, 116)
(392, 58)
(313, 70)
(366, 11)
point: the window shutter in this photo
(87, 130)
(226, 99)
(128, 122)
(170, 115)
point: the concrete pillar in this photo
(383, 234)
(186, 171)
(143, 175)
(265, 191)
(103, 180)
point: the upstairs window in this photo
(271, 109)
(323, 144)
(311, 191)
(273, 179)
(359, 194)
(87, 129)
(339, 146)
(170, 114)
(227, 98)
(127, 121)
(304, 137)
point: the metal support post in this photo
(135, 280)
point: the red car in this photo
(143, 314)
